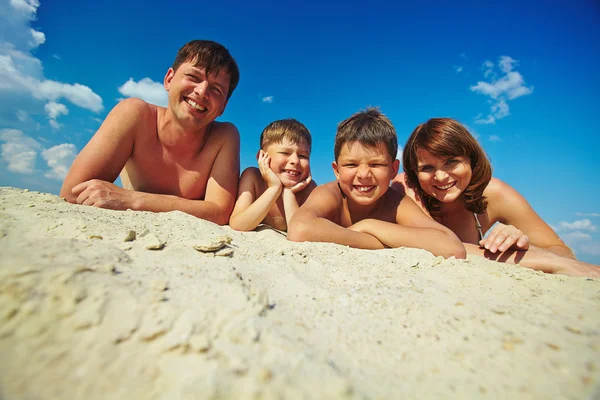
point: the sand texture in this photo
(100, 304)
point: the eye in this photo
(349, 165)
(285, 153)
(378, 165)
(426, 168)
(451, 161)
(303, 156)
(216, 90)
(193, 77)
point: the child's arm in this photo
(291, 203)
(508, 207)
(313, 221)
(413, 229)
(249, 211)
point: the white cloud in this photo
(54, 110)
(587, 214)
(23, 86)
(147, 90)
(399, 154)
(510, 86)
(576, 236)
(581, 224)
(19, 151)
(458, 69)
(59, 158)
(268, 99)
(494, 138)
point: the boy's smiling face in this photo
(364, 173)
(289, 161)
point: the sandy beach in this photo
(100, 304)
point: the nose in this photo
(201, 88)
(440, 175)
(363, 171)
(293, 159)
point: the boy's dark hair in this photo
(368, 127)
(211, 56)
(446, 137)
(289, 128)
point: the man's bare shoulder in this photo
(225, 130)
(136, 108)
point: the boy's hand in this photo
(264, 165)
(301, 185)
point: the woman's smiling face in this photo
(443, 178)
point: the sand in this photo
(87, 315)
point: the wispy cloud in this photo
(578, 225)
(504, 84)
(587, 214)
(59, 158)
(268, 99)
(494, 138)
(54, 110)
(458, 68)
(147, 90)
(23, 86)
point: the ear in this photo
(224, 106)
(335, 170)
(168, 77)
(258, 154)
(395, 168)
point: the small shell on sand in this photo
(213, 246)
(130, 236)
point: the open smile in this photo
(364, 188)
(292, 173)
(195, 105)
(445, 187)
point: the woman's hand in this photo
(503, 237)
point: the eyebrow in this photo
(202, 71)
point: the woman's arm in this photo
(517, 221)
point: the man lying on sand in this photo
(359, 209)
(174, 158)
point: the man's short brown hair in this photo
(289, 129)
(211, 56)
(369, 127)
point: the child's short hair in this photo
(368, 127)
(446, 137)
(289, 129)
(211, 56)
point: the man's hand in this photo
(264, 165)
(503, 237)
(103, 194)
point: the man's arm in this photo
(109, 149)
(413, 229)
(312, 222)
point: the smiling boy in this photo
(272, 193)
(359, 209)
(173, 158)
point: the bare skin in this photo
(174, 158)
(520, 237)
(272, 193)
(360, 211)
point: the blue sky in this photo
(522, 75)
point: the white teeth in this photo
(195, 105)
(448, 186)
(363, 188)
(290, 172)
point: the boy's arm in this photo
(295, 196)
(312, 222)
(250, 211)
(413, 229)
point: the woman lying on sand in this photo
(449, 175)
